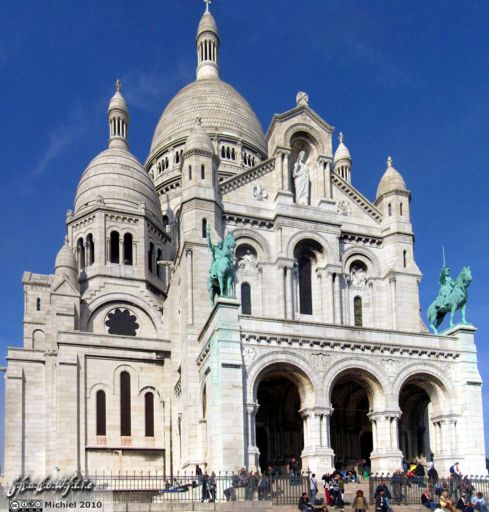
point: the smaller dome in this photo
(65, 258)
(207, 24)
(391, 180)
(198, 139)
(342, 152)
(115, 178)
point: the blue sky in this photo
(409, 79)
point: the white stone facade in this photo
(126, 365)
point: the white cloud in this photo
(146, 89)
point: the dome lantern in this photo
(342, 160)
(118, 117)
(207, 46)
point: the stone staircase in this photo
(254, 506)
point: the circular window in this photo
(122, 321)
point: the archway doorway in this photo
(415, 439)
(351, 428)
(279, 427)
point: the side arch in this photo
(329, 252)
(123, 299)
(299, 367)
(372, 260)
(256, 240)
(431, 379)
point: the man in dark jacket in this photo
(382, 488)
(304, 504)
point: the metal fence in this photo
(408, 491)
(142, 487)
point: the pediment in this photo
(350, 194)
(62, 286)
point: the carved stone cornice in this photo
(247, 176)
(347, 347)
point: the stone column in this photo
(190, 295)
(323, 295)
(393, 292)
(283, 289)
(285, 171)
(386, 456)
(317, 454)
(337, 299)
(446, 449)
(346, 299)
(289, 292)
(373, 316)
(121, 249)
(261, 289)
(253, 451)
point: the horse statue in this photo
(452, 296)
(221, 272)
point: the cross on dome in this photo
(340, 138)
(118, 85)
(389, 162)
(207, 3)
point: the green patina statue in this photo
(452, 296)
(221, 273)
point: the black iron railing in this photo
(408, 491)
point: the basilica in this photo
(318, 352)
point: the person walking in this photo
(381, 502)
(313, 488)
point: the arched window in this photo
(189, 172)
(125, 404)
(246, 299)
(149, 415)
(233, 154)
(167, 163)
(81, 254)
(305, 292)
(389, 209)
(223, 152)
(165, 221)
(204, 228)
(100, 413)
(91, 250)
(357, 311)
(151, 256)
(159, 257)
(114, 247)
(177, 157)
(38, 304)
(228, 153)
(400, 209)
(202, 171)
(128, 249)
(404, 258)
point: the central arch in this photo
(282, 390)
(354, 394)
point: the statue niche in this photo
(303, 169)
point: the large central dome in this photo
(222, 109)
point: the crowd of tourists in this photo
(454, 494)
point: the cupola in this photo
(342, 160)
(207, 46)
(118, 117)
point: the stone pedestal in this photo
(226, 431)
